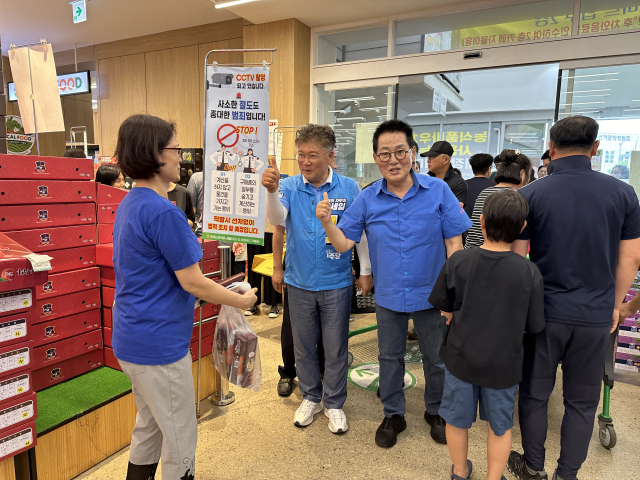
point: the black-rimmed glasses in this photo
(386, 156)
(178, 149)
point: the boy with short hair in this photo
(490, 297)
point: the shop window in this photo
(353, 45)
(354, 115)
(549, 20)
(607, 16)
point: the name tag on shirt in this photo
(338, 204)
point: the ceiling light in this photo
(597, 95)
(635, 100)
(367, 109)
(338, 111)
(631, 110)
(231, 3)
(355, 119)
(606, 80)
(589, 91)
(356, 99)
(578, 103)
(594, 75)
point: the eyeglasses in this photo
(312, 157)
(386, 156)
(179, 150)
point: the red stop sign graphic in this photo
(228, 135)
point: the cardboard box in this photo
(15, 358)
(207, 347)
(17, 385)
(210, 249)
(17, 301)
(27, 217)
(108, 276)
(105, 233)
(24, 192)
(106, 195)
(16, 271)
(15, 329)
(18, 411)
(19, 167)
(106, 334)
(72, 259)
(48, 239)
(208, 311)
(107, 317)
(65, 349)
(65, 327)
(69, 282)
(67, 369)
(18, 439)
(211, 266)
(245, 345)
(104, 255)
(110, 359)
(107, 213)
(108, 296)
(50, 308)
(208, 328)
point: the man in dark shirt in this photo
(439, 163)
(546, 159)
(481, 165)
(482, 350)
(181, 198)
(583, 229)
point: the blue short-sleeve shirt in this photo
(153, 314)
(406, 238)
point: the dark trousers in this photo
(582, 352)
(271, 297)
(286, 341)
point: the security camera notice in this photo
(236, 154)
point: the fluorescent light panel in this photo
(232, 3)
(594, 75)
(356, 99)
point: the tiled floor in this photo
(254, 438)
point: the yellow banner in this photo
(550, 27)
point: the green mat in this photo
(66, 400)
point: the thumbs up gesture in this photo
(323, 210)
(271, 177)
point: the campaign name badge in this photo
(338, 204)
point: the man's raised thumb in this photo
(274, 164)
(325, 196)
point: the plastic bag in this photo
(236, 353)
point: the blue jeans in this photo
(392, 343)
(311, 311)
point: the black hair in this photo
(107, 174)
(574, 132)
(141, 139)
(391, 126)
(413, 143)
(480, 162)
(74, 153)
(510, 166)
(504, 212)
(545, 156)
(497, 160)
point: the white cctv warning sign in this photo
(236, 148)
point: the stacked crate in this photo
(18, 409)
(628, 348)
(48, 205)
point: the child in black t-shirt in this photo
(490, 297)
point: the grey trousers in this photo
(166, 425)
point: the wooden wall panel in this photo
(289, 77)
(175, 38)
(172, 91)
(7, 470)
(122, 92)
(77, 112)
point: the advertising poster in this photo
(18, 142)
(236, 154)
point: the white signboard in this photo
(435, 106)
(236, 154)
(79, 11)
(273, 124)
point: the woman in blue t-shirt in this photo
(155, 256)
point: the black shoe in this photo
(438, 427)
(285, 387)
(141, 472)
(518, 466)
(387, 433)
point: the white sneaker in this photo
(337, 420)
(306, 411)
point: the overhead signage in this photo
(69, 84)
(79, 11)
(236, 154)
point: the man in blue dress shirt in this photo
(413, 223)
